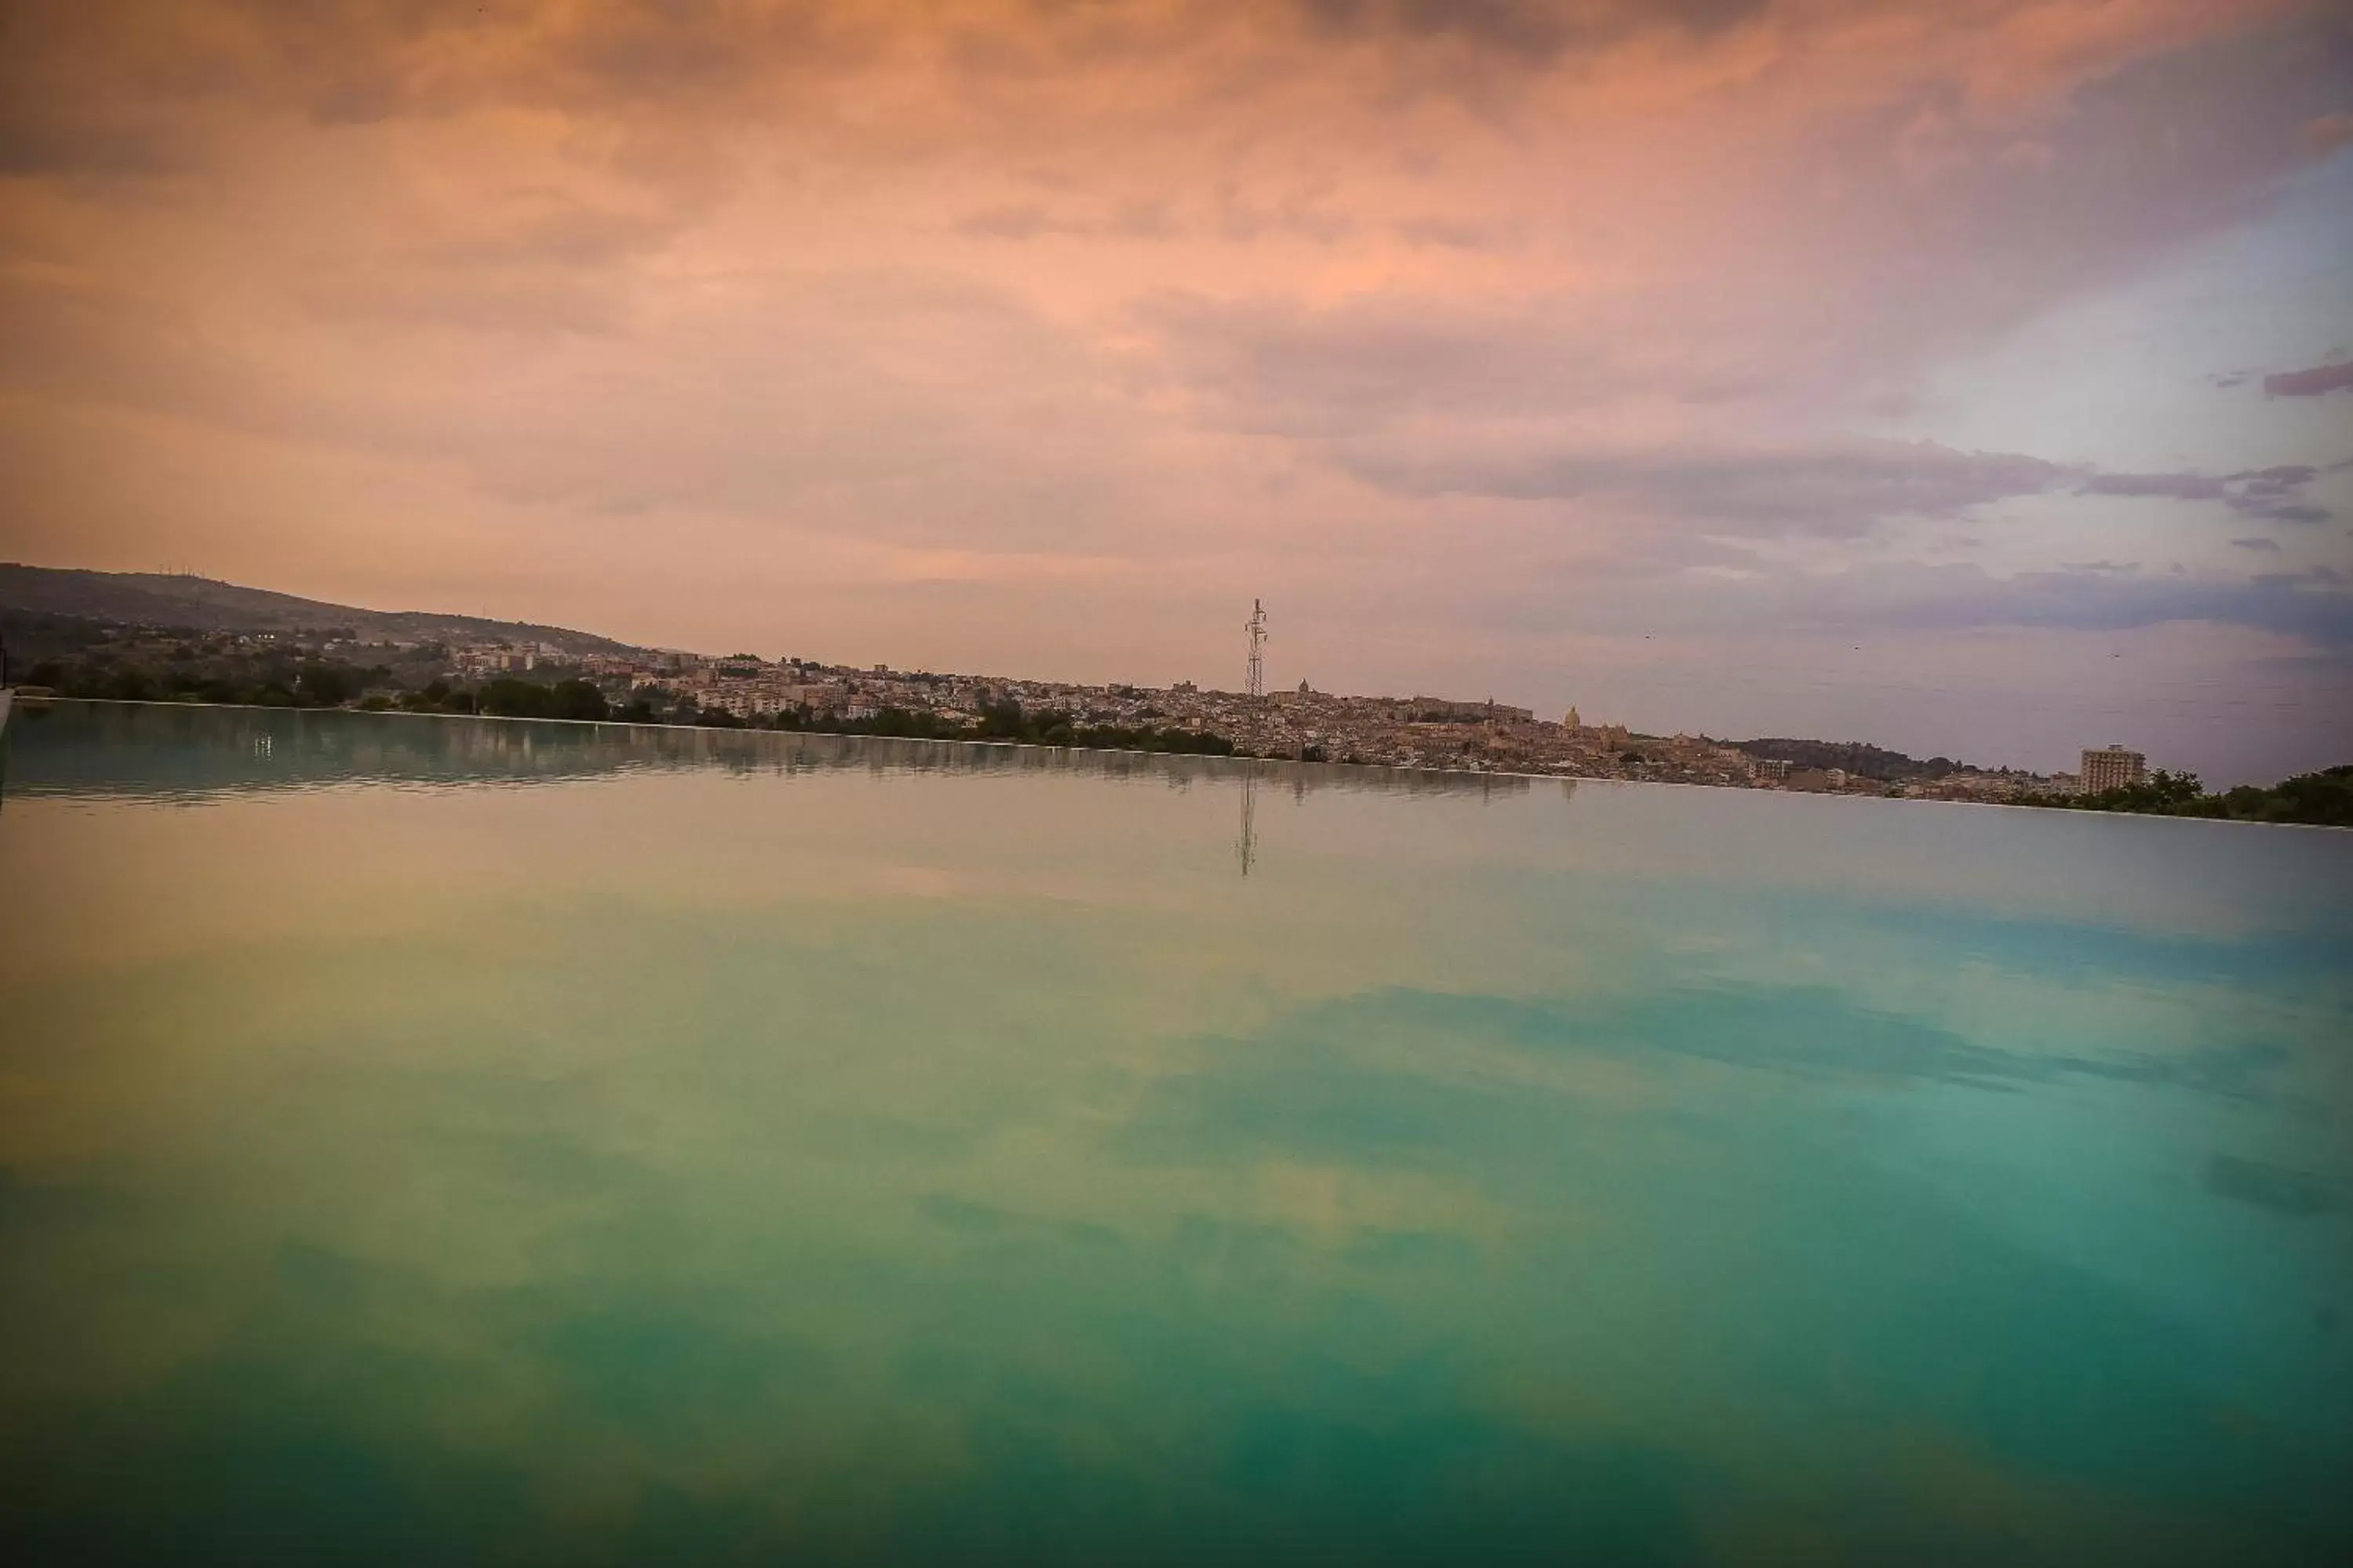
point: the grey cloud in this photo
(105, 84)
(2293, 603)
(2276, 480)
(1273, 364)
(2302, 512)
(125, 86)
(1918, 599)
(1419, 398)
(1960, 597)
(1834, 491)
(2317, 382)
(1533, 30)
(2176, 486)
(2274, 494)
(2173, 145)
(1508, 28)
(2269, 546)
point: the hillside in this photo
(1864, 761)
(158, 599)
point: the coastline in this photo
(1389, 768)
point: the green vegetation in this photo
(316, 683)
(438, 696)
(1008, 721)
(1851, 756)
(512, 698)
(2323, 799)
(79, 657)
(1051, 727)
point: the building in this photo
(2112, 767)
(1446, 711)
(1774, 768)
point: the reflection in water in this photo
(1246, 845)
(2293, 1192)
(96, 749)
(433, 1140)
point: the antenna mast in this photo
(1256, 627)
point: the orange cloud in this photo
(1156, 298)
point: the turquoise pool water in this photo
(427, 1141)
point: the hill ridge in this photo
(207, 604)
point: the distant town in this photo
(144, 636)
(352, 658)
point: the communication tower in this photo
(1256, 627)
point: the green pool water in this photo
(434, 1141)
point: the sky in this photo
(1972, 378)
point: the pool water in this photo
(437, 1140)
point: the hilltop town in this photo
(190, 645)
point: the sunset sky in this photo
(1973, 377)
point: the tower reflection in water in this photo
(1246, 847)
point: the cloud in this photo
(1275, 364)
(1841, 489)
(1394, 296)
(2276, 480)
(1907, 599)
(2317, 382)
(2175, 487)
(2301, 512)
(2328, 132)
(2274, 494)
(1534, 32)
(1009, 220)
(2267, 545)
(1954, 598)
(1456, 234)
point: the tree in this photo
(510, 699)
(513, 698)
(328, 685)
(577, 699)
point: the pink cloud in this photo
(1154, 301)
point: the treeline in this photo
(507, 698)
(2324, 799)
(997, 722)
(1854, 756)
(317, 683)
(327, 683)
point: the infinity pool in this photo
(430, 1140)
